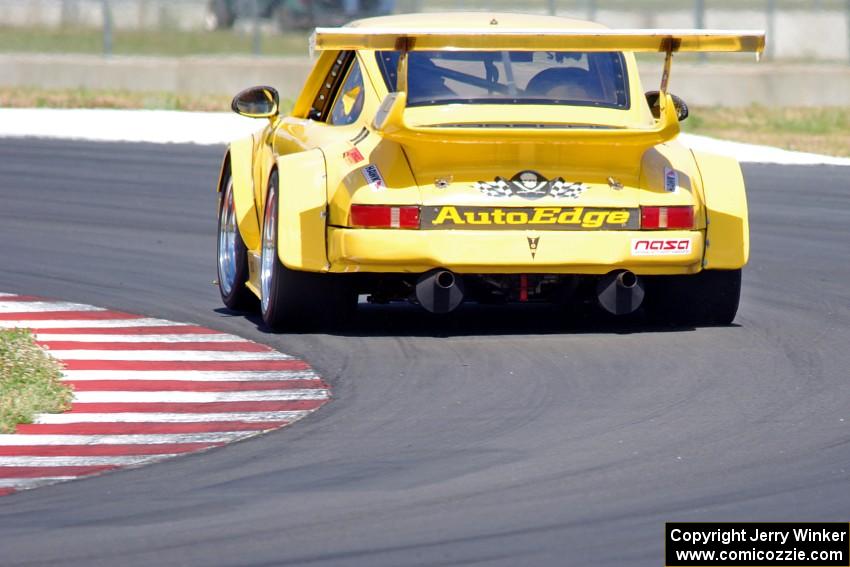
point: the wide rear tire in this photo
(708, 298)
(294, 300)
(232, 254)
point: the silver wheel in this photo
(269, 253)
(291, 298)
(227, 233)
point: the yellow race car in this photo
(442, 158)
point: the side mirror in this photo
(257, 102)
(682, 112)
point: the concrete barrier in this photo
(698, 84)
(179, 75)
(750, 83)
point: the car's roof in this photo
(466, 20)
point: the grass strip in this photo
(822, 130)
(146, 42)
(24, 97)
(29, 381)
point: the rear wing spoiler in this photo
(390, 121)
(538, 39)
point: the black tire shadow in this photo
(476, 320)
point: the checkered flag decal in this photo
(560, 188)
(502, 187)
(499, 188)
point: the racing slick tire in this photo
(291, 299)
(232, 254)
(708, 298)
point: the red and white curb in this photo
(145, 390)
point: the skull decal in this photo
(531, 185)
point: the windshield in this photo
(511, 77)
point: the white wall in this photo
(799, 34)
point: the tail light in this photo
(666, 217)
(384, 216)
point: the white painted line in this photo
(104, 397)
(27, 483)
(122, 460)
(39, 306)
(167, 355)
(191, 375)
(88, 324)
(105, 338)
(8, 295)
(757, 154)
(142, 417)
(16, 440)
(157, 126)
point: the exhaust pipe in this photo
(620, 292)
(439, 291)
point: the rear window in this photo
(511, 77)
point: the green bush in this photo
(29, 381)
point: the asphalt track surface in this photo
(496, 436)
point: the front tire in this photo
(708, 298)
(290, 299)
(232, 254)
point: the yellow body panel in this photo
(435, 156)
(504, 252)
(672, 156)
(302, 209)
(241, 164)
(728, 232)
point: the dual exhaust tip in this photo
(619, 292)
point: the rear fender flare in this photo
(728, 231)
(303, 211)
(241, 154)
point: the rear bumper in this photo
(506, 252)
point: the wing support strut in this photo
(668, 46)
